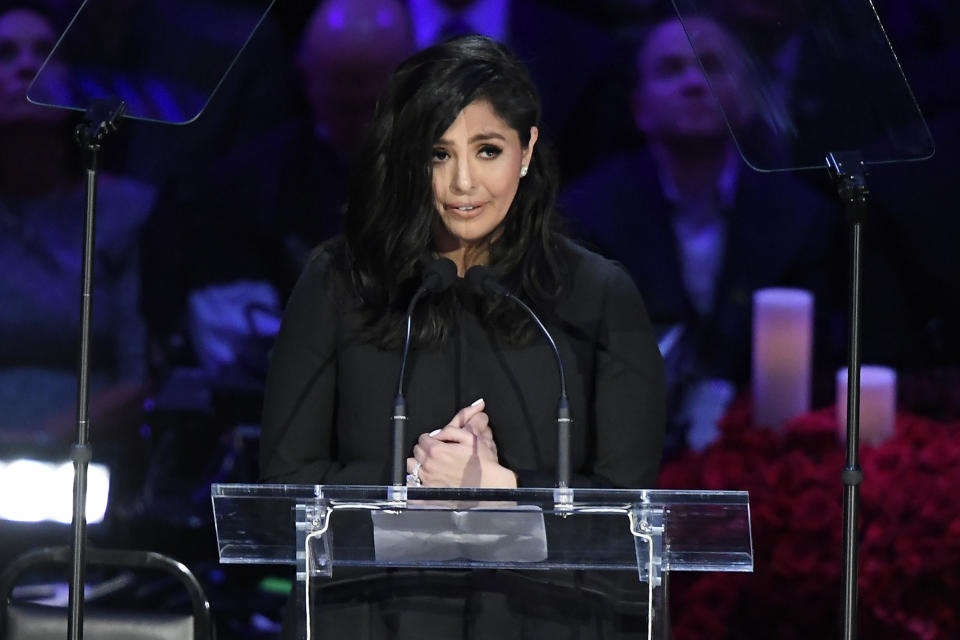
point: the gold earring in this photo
(523, 171)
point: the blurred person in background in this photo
(42, 198)
(217, 300)
(697, 229)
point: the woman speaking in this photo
(454, 167)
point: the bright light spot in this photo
(34, 491)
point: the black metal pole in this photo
(100, 119)
(849, 171)
(852, 475)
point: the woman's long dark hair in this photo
(391, 214)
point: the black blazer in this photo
(779, 233)
(329, 391)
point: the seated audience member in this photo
(278, 197)
(42, 194)
(698, 230)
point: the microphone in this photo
(439, 275)
(484, 280)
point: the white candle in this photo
(782, 351)
(878, 403)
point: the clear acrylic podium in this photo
(320, 528)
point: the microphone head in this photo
(439, 275)
(482, 279)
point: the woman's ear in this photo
(528, 150)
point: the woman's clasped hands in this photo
(461, 454)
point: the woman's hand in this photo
(461, 454)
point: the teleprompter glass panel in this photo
(164, 58)
(798, 79)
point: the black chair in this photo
(24, 620)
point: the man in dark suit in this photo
(698, 230)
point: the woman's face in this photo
(25, 40)
(477, 164)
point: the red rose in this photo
(909, 523)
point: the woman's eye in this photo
(490, 151)
(439, 155)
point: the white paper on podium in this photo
(509, 534)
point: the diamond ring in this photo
(414, 477)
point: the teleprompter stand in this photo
(819, 87)
(101, 119)
(106, 83)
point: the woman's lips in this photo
(466, 210)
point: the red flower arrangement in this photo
(909, 581)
